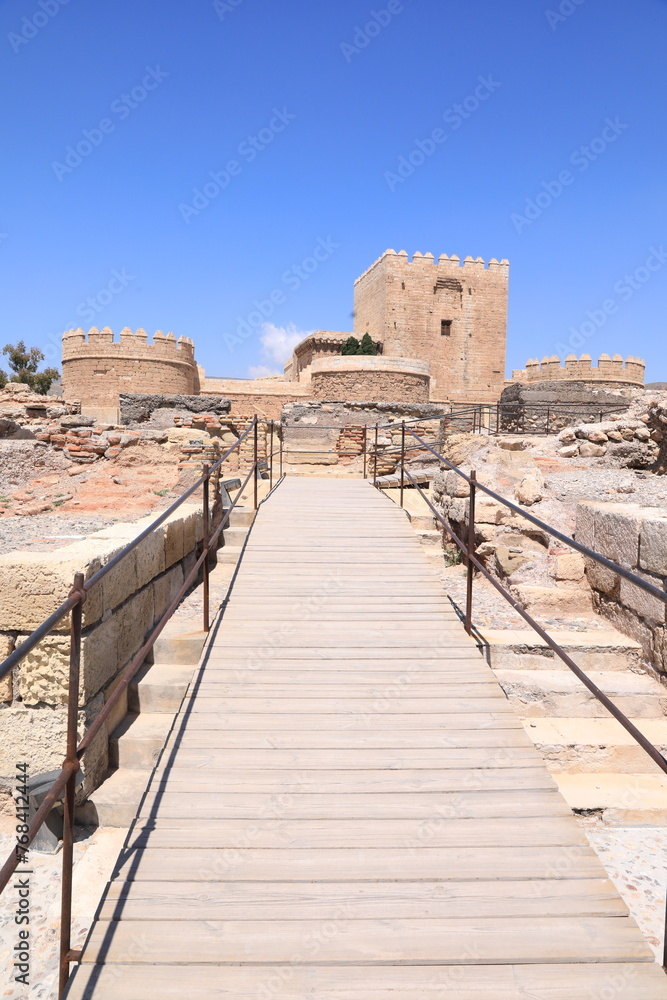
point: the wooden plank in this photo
(235, 760)
(363, 706)
(379, 722)
(437, 831)
(348, 864)
(483, 940)
(359, 900)
(491, 778)
(458, 981)
(215, 739)
(218, 803)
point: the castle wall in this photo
(404, 302)
(263, 396)
(609, 371)
(369, 378)
(96, 368)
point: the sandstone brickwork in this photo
(97, 368)
(611, 372)
(395, 380)
(451, 314)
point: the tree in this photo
(24, 362)
(351, 346)
(3, 379)
(367, 346)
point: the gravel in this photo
(45, 532)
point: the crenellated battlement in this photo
(444, 264)
(97, 367)
(608, 369)
(78, 344)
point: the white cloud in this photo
(277, 342)
(262, 371)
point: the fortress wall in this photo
(376, 378)
(97, 368)
(403, 303)
(609, 370)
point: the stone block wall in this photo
(451, 314)
(610, 371)
(345, 379)
(117, 616)
(96, 368)
(636, 538)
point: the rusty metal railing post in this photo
(271, 460)
(282, 432)
(206, 565)
(471, 549)
(255, 467)
(66, 953)
(664, 945)
(365, 444)
(375, 459)
(402, 458)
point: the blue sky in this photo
(302, 112)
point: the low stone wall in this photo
(264, 396)
(140, 407)
(324, 431)
(117, 616)
(636, 538)
(373, 377)
(555, 405)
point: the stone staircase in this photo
(154, 698)
(598, 766)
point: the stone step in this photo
(560, 693)
(431, 539)
(594, 649)
(241, 517)
(422, 522)
(159, 687)
(136, 743)
(596, 745)
(180, 647)
(116, 801)
(621, 799)
(235, 536)
(229, 554)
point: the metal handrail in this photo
(620, 716)
(469, 549)
(66, 779)
(566, 539)
(47, 626)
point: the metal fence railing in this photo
(72, 606)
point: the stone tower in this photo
(451, 314)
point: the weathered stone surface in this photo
(165, 589)
(6, 687)
(508, 561)
(138, 407)
(531, 488)
(553, 600)
(567, 435)
(76, 420)
(585, 525)
(639, 600)
(454, 485)
(617, 528)
(43, 676)
(569, 566)
(589, 450)
(34, 584)
(653, 545)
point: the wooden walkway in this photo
(348, 808)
